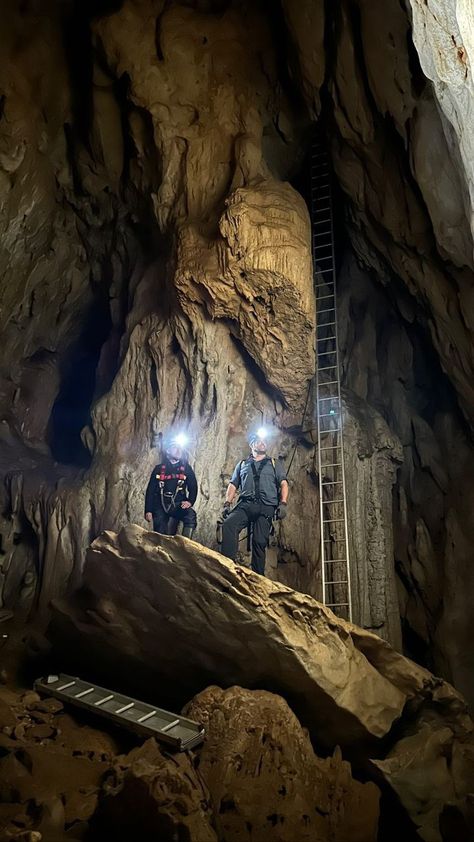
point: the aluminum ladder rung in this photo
(334, 465)
(177, 732)
(170, 726)
(84, 693)
(335, 561)
(105, 699)
(147, 716)
(324, 272)
(332, 482)
(332, 502)
(329, 382)
(124, 708)
(65, 686)
(325, 284)
(336, 582)
(335, 520)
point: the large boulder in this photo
(252, 735)
(185, 617)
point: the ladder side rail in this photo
(343, 472)
(328, 251)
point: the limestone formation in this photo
(252, 735)
(154, 796)
(183, 616)
(155, 270)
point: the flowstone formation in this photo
(174, 618)
(156, 269)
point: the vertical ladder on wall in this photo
(336, 579)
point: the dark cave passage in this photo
(71, 410)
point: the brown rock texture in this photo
(156, 797)
(254, 736)
(155, 270)
(194, 616)
(50, 773)
(76, 784)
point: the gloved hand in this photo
(225, 511)
(281, 512)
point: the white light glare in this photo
(262, 434)
(181, 440)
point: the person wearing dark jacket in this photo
(171, 493)
(263, 494)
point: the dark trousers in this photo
(242, 516)
(161, 518)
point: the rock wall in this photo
(156, 270)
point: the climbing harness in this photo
(169, 503)
(257, 499)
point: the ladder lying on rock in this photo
(336, 579)
(175, 731)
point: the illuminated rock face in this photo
(155, 270)
(173, 617)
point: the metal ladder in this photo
(175, 731)
(336, 578)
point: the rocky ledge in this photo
(172, 617)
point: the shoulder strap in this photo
(276, 478)
(256, 475)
